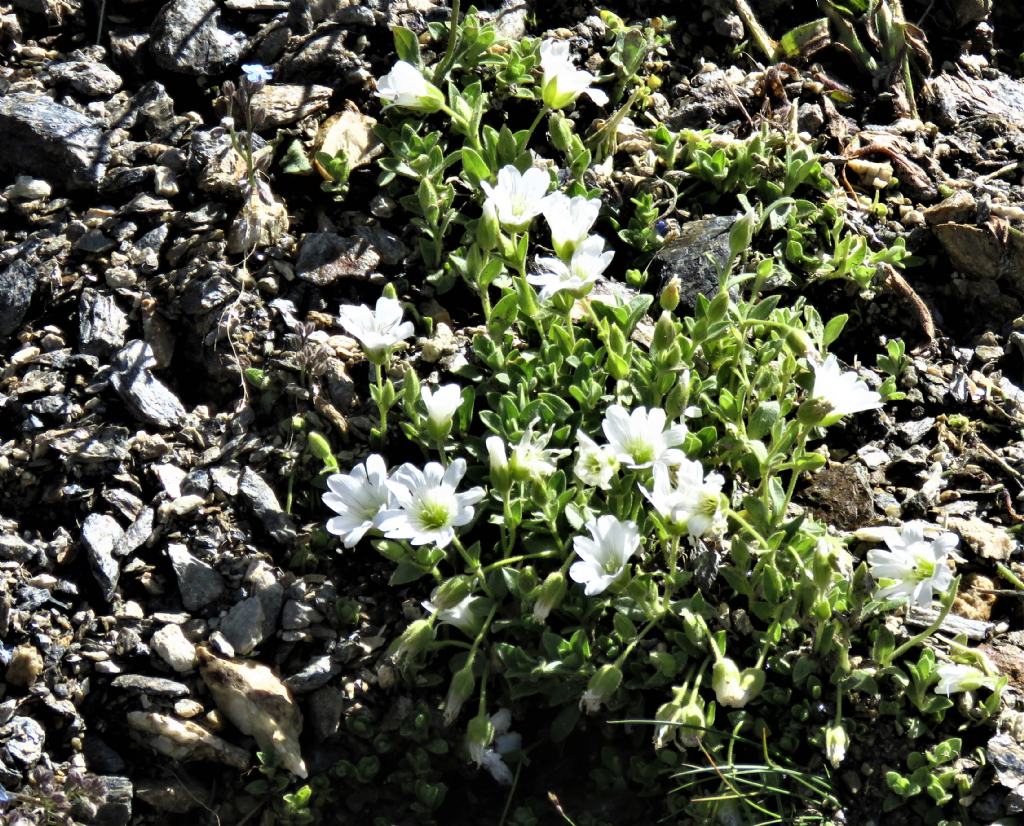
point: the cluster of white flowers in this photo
(688, 500)
(421, 506)
(531, 459)
(604, 554)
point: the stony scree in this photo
(200, 585)
(187, 37)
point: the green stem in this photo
(536, 121)
(382, 410)
(453, 41)
(472, 564)
(947, 604)
(761, 38)
(512, 560)
(749, 528)
(1009, 576)
(801, 441)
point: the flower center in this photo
(924, 568)
(641, 450)
(435, 511)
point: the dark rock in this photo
(198, 582)
(117, 807)
(279, 104)
(263, 501)
(100, 533)
(687, 258)
(146, 396)
(325, 257)
(144, 684)
(138, 533)
(54, 142)
(840, 495)
(315, 675)
(100, 757)
(101, 323)
(21, 742)
(92, 79)
(187, 37)
(243, 625)
(17, 286)
(325, 709)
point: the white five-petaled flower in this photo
(466, 615)
(595, 464)
(405, 86)
(604, 554)
(531, 459)
(517, 197)
(256, 73)
(913, 567)
(428, 508)
(441, 405)
(640, 439)
(358, 498)
(379, 330)
(687, 499)
(570, 220)
(563, 82)
(836, 393)
(954, 677)
(589, 260)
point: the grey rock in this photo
(315, 675)
(117, 807)
(145, 684)
(325, 709)
(101, 323)
(279, 104)
(208, 294)
(269, 591)
(1006, 756)
(687, 258)
(174, 648)
(187, 37)
(54, 141)
(94, 241)
(137, 534)
(17, 286)
(216, 165)
(325, 258)
(243, 625)
(263, 501)
(92, 79)
(21, 742)
(298, 615)
(100, 533)
(198, 582)
(100, 757)
(146, 396)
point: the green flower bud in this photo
(664, 332)
(321, 449)
(459, 690)
(413, 640)
(816, 413)
(552, 592)
(488, 229)
(479, 735)
(693, 629)
(836, 742)
(669, 298)
(735, 688)
(602, 686)
(451, 592)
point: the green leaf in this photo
(474, 166)
(405, 573)
(407, 45)
(834, 328)
(564, 723)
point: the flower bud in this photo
(692, 723)
(799, 342)
(669, 298)
(479, 735)
(665, 730)
(816, 413)
(320, 448)
(693, 629)
(735, 688)
(501, 476)
(552, 592)
(413, 640)
(560, 130)
(664, 332)
(451, 592)
(488, 228)
(459, 690)
(602, 686)
(836, 741)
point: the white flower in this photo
(913, 566)
(954, 677)
(595, 464)
(603, 557)
(518, 196)
(578, 276)
(686, 498)
(429, 510)
(405, 86)
(465, 615)
(735, 688)
(570, 220)
(441, 406)
(639, 439)
(835, 393)
(379, 330)
(563, 82)
(504, 741)
(256, 73)
(836, 741)
(357, 497)
(531, 460)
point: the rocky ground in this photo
(169, 602)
